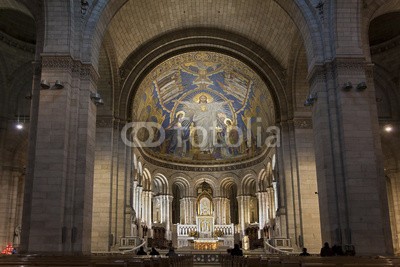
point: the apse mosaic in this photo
(210, 106)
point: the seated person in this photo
(236, 251)
(141, 251)
(154, 252)
(326, 251)
(304, 253)
(171, 252)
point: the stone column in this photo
(59, 217)
(218, 211)
(351, 185)
(244, 212)
(167, 215)
(394, 205)
(263, 214)
(188, 210)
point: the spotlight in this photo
(58, 85)
(96, 98)
(361, 86)
(19, 126)
(44, 84)
(347, 86)
(388, 128)
(310, 100)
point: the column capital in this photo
(53, 62)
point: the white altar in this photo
(205, 234)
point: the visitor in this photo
(171, 252)
(326, 251)
(236, 251)
(141, 251)
(304, 253)
(154, 252)
(337, 250)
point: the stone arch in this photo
(147, 180)
(248, 185)
(309, 27)
(211, 180)
(371, 10)
(384, 85)
(226, 185)
(181, 180)
(160, 184)
(101, 14)
(143, 60)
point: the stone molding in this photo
(320, 72)
(201, 167)
(104, 122)
(303, 123)
(67, 63)
(11, 41)
(385, 46)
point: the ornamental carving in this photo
(104, 122)
(67, 63)
(304, 123)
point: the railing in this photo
(185, 229)
(135, 248)
(228, 229)
(282, 246)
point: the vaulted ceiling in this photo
(262, 21)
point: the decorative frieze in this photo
(104, 122)
(303, 123)
(67, 63)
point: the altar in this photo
(206, 244)
(205, 234)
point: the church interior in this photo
(198, 125)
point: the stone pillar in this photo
(102, 185)
(167, 215)
(188, 210)
(351, 185)
(217, 201)
(263, 207)
(59, 218)
(394, 207)
(147, 201)
(244, 212)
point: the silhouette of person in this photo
(326, 251)
(337, 250)
(236, 251)
(304, 253)
(171, 252)
(154, 252)
(141, 251)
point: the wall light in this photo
(388, 128)
(347, 86)
(361, 86)
(310, 100)
(96, 98)
(46, 85)
(58, 85)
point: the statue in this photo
(17, 236)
